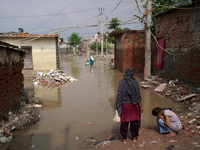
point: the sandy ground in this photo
(150, 139)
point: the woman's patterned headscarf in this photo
(128, 90)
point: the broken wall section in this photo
(11, 77)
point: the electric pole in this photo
(106, 45)
(97, 38)
(101, 9)
(148, 40)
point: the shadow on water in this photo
(81, 109)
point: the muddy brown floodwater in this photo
(82, 109)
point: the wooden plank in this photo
(187, 97)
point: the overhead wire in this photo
(96, 17)
(170, 7)
(116, 6)
(120, 10)
(138, 6)
(54, 15)
(83, 26)
(76, 26)
(161, 46)
(11, 17)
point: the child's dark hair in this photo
(156, 110)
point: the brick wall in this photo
(181, 28)
(119, 52)
(11, 80)
(134, 51)
(129, 50)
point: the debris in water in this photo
(52, 78)
(90, 123)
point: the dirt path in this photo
(187, 139)
(150, 139)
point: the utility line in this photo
(54, 15)
(63, 14)
(173, 54)
(116, 6)
(70, 27)
(138, 6)
(85, 20)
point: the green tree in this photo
(93, 45)
(164, 5)
(75, 38)
(114, 23)
(159, 6)
(126, 29)
(111, 39)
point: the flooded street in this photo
(81, 109)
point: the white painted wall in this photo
(43, 50)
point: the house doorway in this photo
(28, 60)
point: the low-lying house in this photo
(43, 49)
(129, 50)
(11, 77)
(178, 34)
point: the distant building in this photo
(178, 34)
(43, 49)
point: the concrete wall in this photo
(182, 31)
(43, 51)
(11, 80)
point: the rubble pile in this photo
(26, 115)
(191, 122)
(52, 78)
(173, 89)
(180, 92)
(92, 143)
(16, 122)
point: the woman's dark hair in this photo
(156, 110)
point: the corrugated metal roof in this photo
(13, 47)
(29, 35)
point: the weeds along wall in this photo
(11, 79)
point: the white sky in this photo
(37, 16)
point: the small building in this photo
(129, 50)
(178, 34)
(11, 77)
(43, 49)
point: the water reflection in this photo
(50, 96)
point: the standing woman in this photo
(129, 106)
(167, 120)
